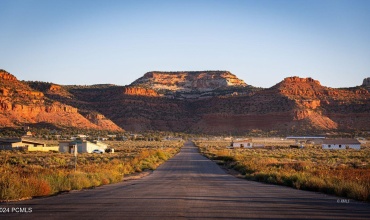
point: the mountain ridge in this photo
(293, 105)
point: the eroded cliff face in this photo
(50, 90)
(20, 104)
(189, 81)
(326, 108)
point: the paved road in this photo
(189, 186)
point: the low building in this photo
(341, 144)
(32, 145)
(82, 146)
(247, 143)
(44, 149)
(11, 144)
(24, 144)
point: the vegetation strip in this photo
(30, 174)
(343, 173)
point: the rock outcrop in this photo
(138, 91)
(55, 88)
(296, 79)
(366, 82)
(4, 75)
(189, 81)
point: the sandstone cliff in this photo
(20, 104)
(189, 81)
(326, 108)
(51, 90)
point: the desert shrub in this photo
(29, 174)
(344, 173)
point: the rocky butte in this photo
(189, 81)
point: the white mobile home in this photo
(82, 146)
(242, 143)
(341, 144)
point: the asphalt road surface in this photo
(188, 186)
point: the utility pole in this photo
(75, 154)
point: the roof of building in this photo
(10, 140)
(33, 142)
(305, 137)
(242, 141)
(15, 140)
(341, 141)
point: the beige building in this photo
(24, 144)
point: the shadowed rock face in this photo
(189, 81)
(165, 102)
(366, 82)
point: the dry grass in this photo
(30, 174)
(340, 172)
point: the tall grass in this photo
(343, 173)
(31, 174)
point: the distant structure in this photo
(341, 144)
(28, 134)
(83, 146)
(24, 144)
(247, 143)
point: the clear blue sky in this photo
(262, 42)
